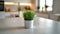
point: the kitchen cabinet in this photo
(22, 1)
(56, 6)
(1, 5)
(1, 0)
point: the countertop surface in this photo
(41, 26)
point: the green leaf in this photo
(46, 6)
(28, 15)
(19, 8)
(38, 7)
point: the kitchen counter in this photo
(42, 26)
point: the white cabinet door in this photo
(2, 15)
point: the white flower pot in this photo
(28, 24)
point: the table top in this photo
(42, 26)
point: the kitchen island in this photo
(41, 26)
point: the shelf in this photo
(11, 3)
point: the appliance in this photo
(1, 5)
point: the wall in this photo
(56, 6)
(15, 7)
(33, 5)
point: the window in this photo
(42, 4)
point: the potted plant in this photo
(29, 18)
(38, 7)
(19, 10)
(46, 6)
